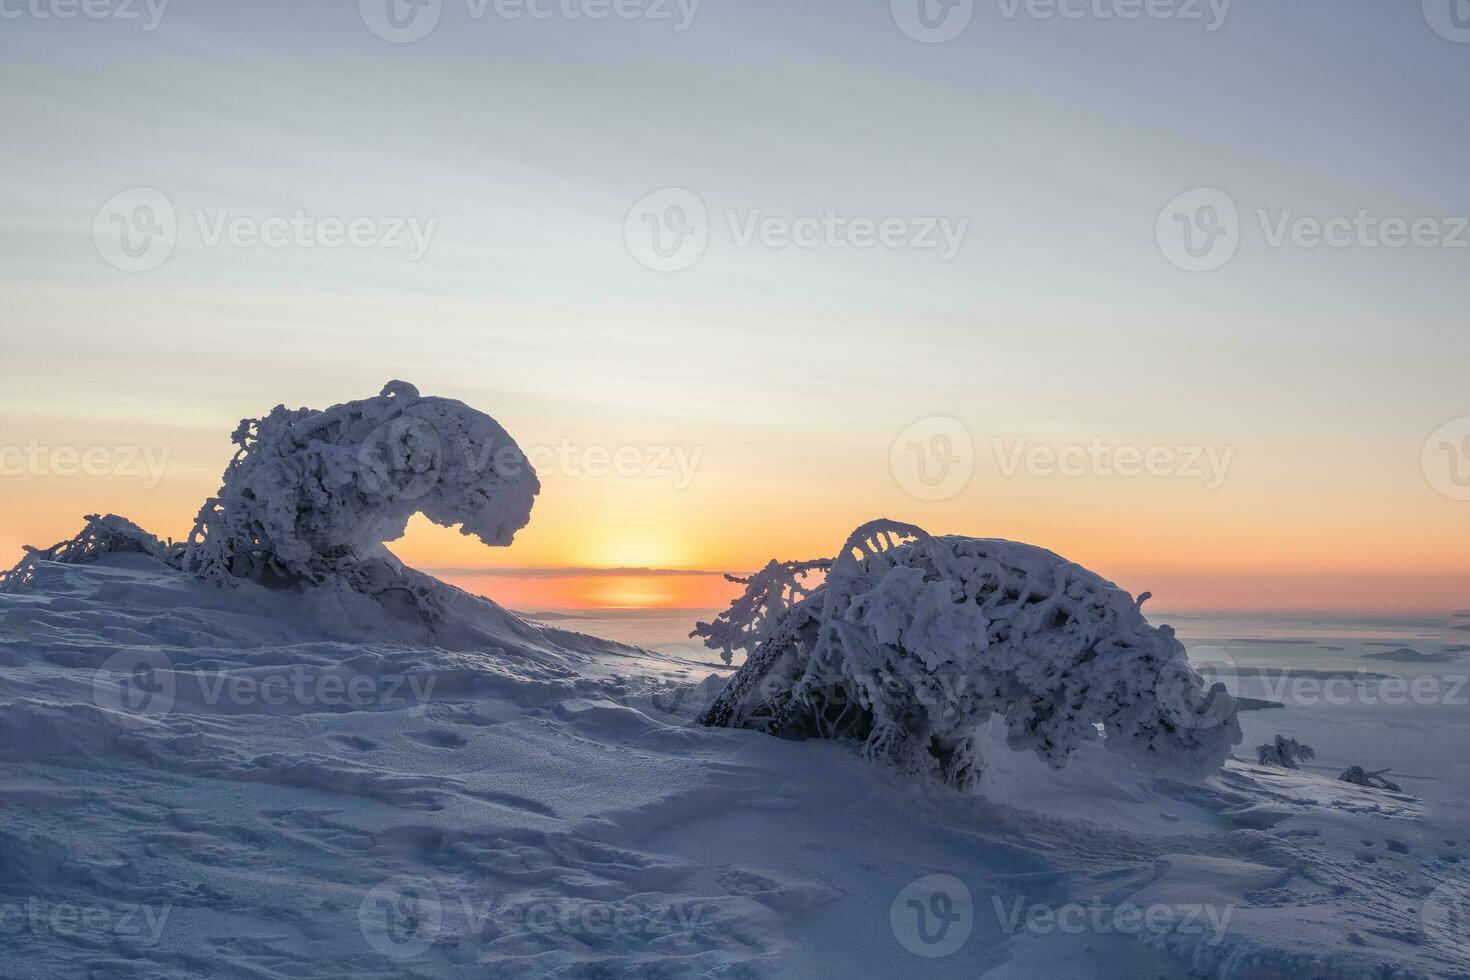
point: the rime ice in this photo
(309, 490)
(914, 642)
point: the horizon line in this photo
(573, 571)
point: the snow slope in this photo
(247, 783)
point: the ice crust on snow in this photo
(913, 642)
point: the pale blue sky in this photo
(527, 142)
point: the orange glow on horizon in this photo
(1265, 541)
(543, 591)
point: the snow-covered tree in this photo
(102, 535)
(1285, 752)
(1376, 779)
(311, 494)
(913, 642)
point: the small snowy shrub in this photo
(314, 494)
(101, 536)
(1376, 779)
(1284, 752)
(913, 642)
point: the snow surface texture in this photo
(272, 784)
(914, 642)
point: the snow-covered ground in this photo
(247, 783)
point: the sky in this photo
(742, 276)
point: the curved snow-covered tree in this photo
(311, 496)
(912, 643)
(312, 493)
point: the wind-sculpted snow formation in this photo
(311, 495)
(914, 642)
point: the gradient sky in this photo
(788, 374)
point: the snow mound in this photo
(914, 642)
